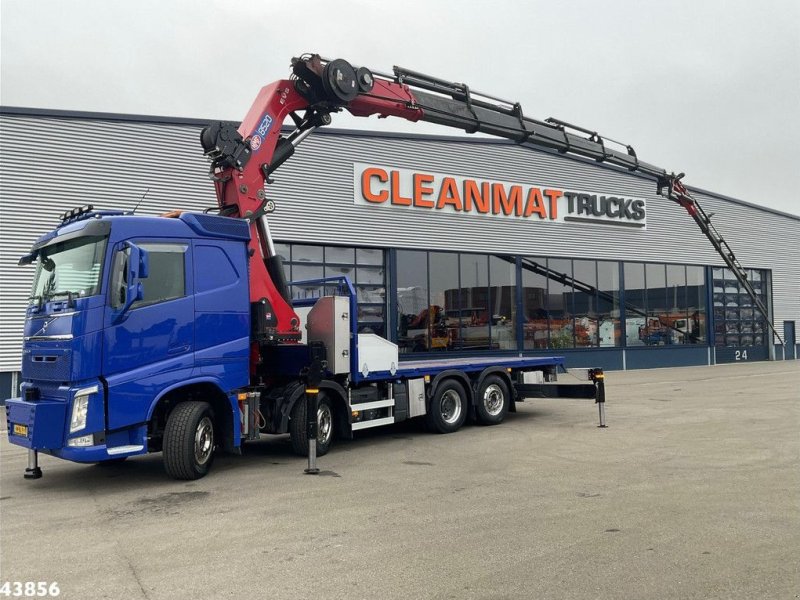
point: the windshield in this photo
(70, 268)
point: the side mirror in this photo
(28, 258)
(137, 267)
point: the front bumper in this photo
(99, 453)
(40, 426)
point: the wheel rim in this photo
(203, 441)
(450, 407)
(493, 399)
(324, 423)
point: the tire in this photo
(298, 431)
(188, 447)
(493, 401)
(448, 408)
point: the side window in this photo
(167, 277)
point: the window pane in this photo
(696, 304)
(585, 302)
(534, 302)
(371, 320)
(468, 322)
(655, 331)
(340, 271)
(166, 279)
(635, 312)
(412, 301)
(283, 250)
(559, 303)
(677, 321)
(676, 286)
(444, 296)
(369, 256)
(303, 272)
(334, 254)
(503, 302)
(369, 275)
(370, 284)
(371, 293)
(306, 253)
(608, 304)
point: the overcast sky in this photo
(711, 87)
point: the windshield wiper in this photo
(68, 294)
(38, 299)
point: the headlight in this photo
(80, 408)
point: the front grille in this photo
(47, 365)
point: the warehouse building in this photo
(454, 244)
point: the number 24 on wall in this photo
(741, 355)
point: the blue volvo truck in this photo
(139, 339)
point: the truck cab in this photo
(128, 317)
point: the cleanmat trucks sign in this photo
(402, 189)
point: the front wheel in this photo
(189, 441)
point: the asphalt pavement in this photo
(692, 492)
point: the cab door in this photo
(150, 346)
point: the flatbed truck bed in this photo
(434, 366)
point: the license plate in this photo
(20, 430)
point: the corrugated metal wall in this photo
(49, 164)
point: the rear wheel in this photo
(493, 401)
(298, 429)
(188, 447)
(448, 409)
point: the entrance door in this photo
(790, 339)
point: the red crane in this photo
(243, 158)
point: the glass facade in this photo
(467, 302)
(464, 302)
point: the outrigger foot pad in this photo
(34, 473)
